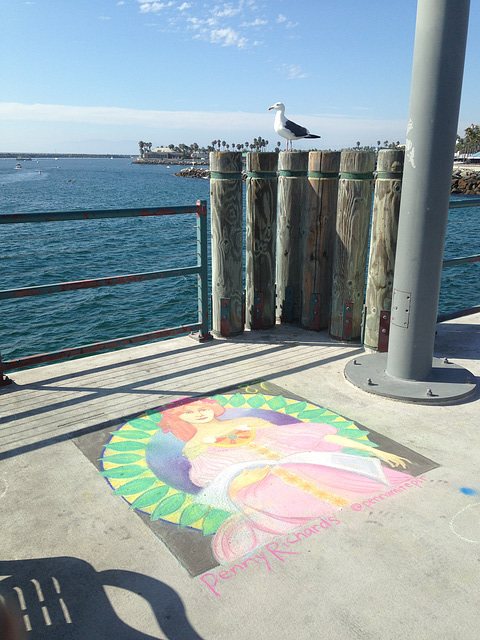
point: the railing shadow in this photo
(450, 342)
(89, 393)
(64, 598)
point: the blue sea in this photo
(37, 254)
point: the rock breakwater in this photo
(193, 172)
(466, 181)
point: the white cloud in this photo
(197, 23)
(228, 10)
(185, 120)
(154, 7)
(293, 72)
(291, 25)
(227, 37)
(256, 23)
(226, 24)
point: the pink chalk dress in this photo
(308, 478)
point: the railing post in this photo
(227, 242)
(383, 243)
(319, 238)
(350, 260)
(292, 200)
(202, 262)
(261, 239)
(4, 380)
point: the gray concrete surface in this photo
(89, 568)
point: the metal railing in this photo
(454, 262)
(200, 328)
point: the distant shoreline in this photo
(24, 156)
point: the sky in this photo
(98, 76)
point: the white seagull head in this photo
(279, 106)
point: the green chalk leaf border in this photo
(124, 466)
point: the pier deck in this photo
(404, 567)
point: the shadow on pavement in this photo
(64, 598)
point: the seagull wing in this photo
(296, 129)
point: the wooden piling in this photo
(261, 239)
(319, 238)
(383, 244)
(350, 259)
(292, 192)
(226, 205)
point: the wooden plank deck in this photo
(62, 400)
(59, 400)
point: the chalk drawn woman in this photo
(273, 478)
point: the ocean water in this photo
(37, 254)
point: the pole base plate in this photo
(447, 382)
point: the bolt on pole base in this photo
(446, 383)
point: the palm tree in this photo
(141, 146)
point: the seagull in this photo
(288, 129)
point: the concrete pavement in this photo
(85, 566)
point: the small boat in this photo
(18, 166)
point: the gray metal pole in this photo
(409, 371)
(438, 59)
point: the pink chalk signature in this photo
(277, 550)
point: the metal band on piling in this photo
(346, 175)
(292, 174)
(262, 175)
(218, 175)
(319, 175)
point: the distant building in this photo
(163, 153)
(475, 158)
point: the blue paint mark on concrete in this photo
(468, 492)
